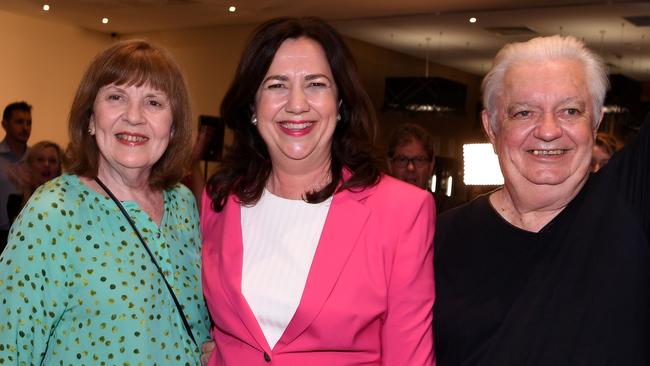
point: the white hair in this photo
(541, 49)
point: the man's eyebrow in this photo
(573, 100)
(518, 105)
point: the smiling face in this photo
(544, 131)
(132, 126)
(296, 105)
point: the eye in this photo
(154, 103)
(317, 84)
(114, 97)
(522, 114)
(572, 111)
(275, 86)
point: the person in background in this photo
(604, 147)
(42, 162)
(310, 255)
(553, 268)
(411, 158)
(17, 123)
(103, 264)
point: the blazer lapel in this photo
(344, 223)
(232, 257)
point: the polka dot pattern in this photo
(79, 289)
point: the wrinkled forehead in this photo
(544, 81)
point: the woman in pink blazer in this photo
(311, 256)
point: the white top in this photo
(280, 238)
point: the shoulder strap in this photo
(153, 259)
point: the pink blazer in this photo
(368, 297)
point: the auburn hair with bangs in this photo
(128, 63)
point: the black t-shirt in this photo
(575, 293)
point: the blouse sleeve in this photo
(33, 282)
(407, 336)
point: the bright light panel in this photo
(481, 165)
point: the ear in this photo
(600, 119)
(487, 127)
(91, 125)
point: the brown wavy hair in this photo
(132, 62)
(247, 165)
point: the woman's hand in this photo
(206, 351)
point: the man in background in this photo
(411, 158)
(17, 123)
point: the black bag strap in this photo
(153, 259)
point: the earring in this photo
(254, 120)
(91, 132)
(338, 115)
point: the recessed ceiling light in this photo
(472, 20)
(105, 20)
(232, 9)
(46, 7)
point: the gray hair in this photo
(546, 48)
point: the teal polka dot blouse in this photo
(78, 288)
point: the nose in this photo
(410, 165)
(133, 112)
(548, 128)
(297, 102)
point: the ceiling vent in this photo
(512, 31)
(639, 21)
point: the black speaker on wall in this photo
(213, 129)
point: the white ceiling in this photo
(437, 28)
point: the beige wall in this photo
(42, 62)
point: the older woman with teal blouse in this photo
(102, 265)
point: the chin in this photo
(549, 179)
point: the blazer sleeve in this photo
(407, 335)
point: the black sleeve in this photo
(631, 166)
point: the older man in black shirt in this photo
(551, 269)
